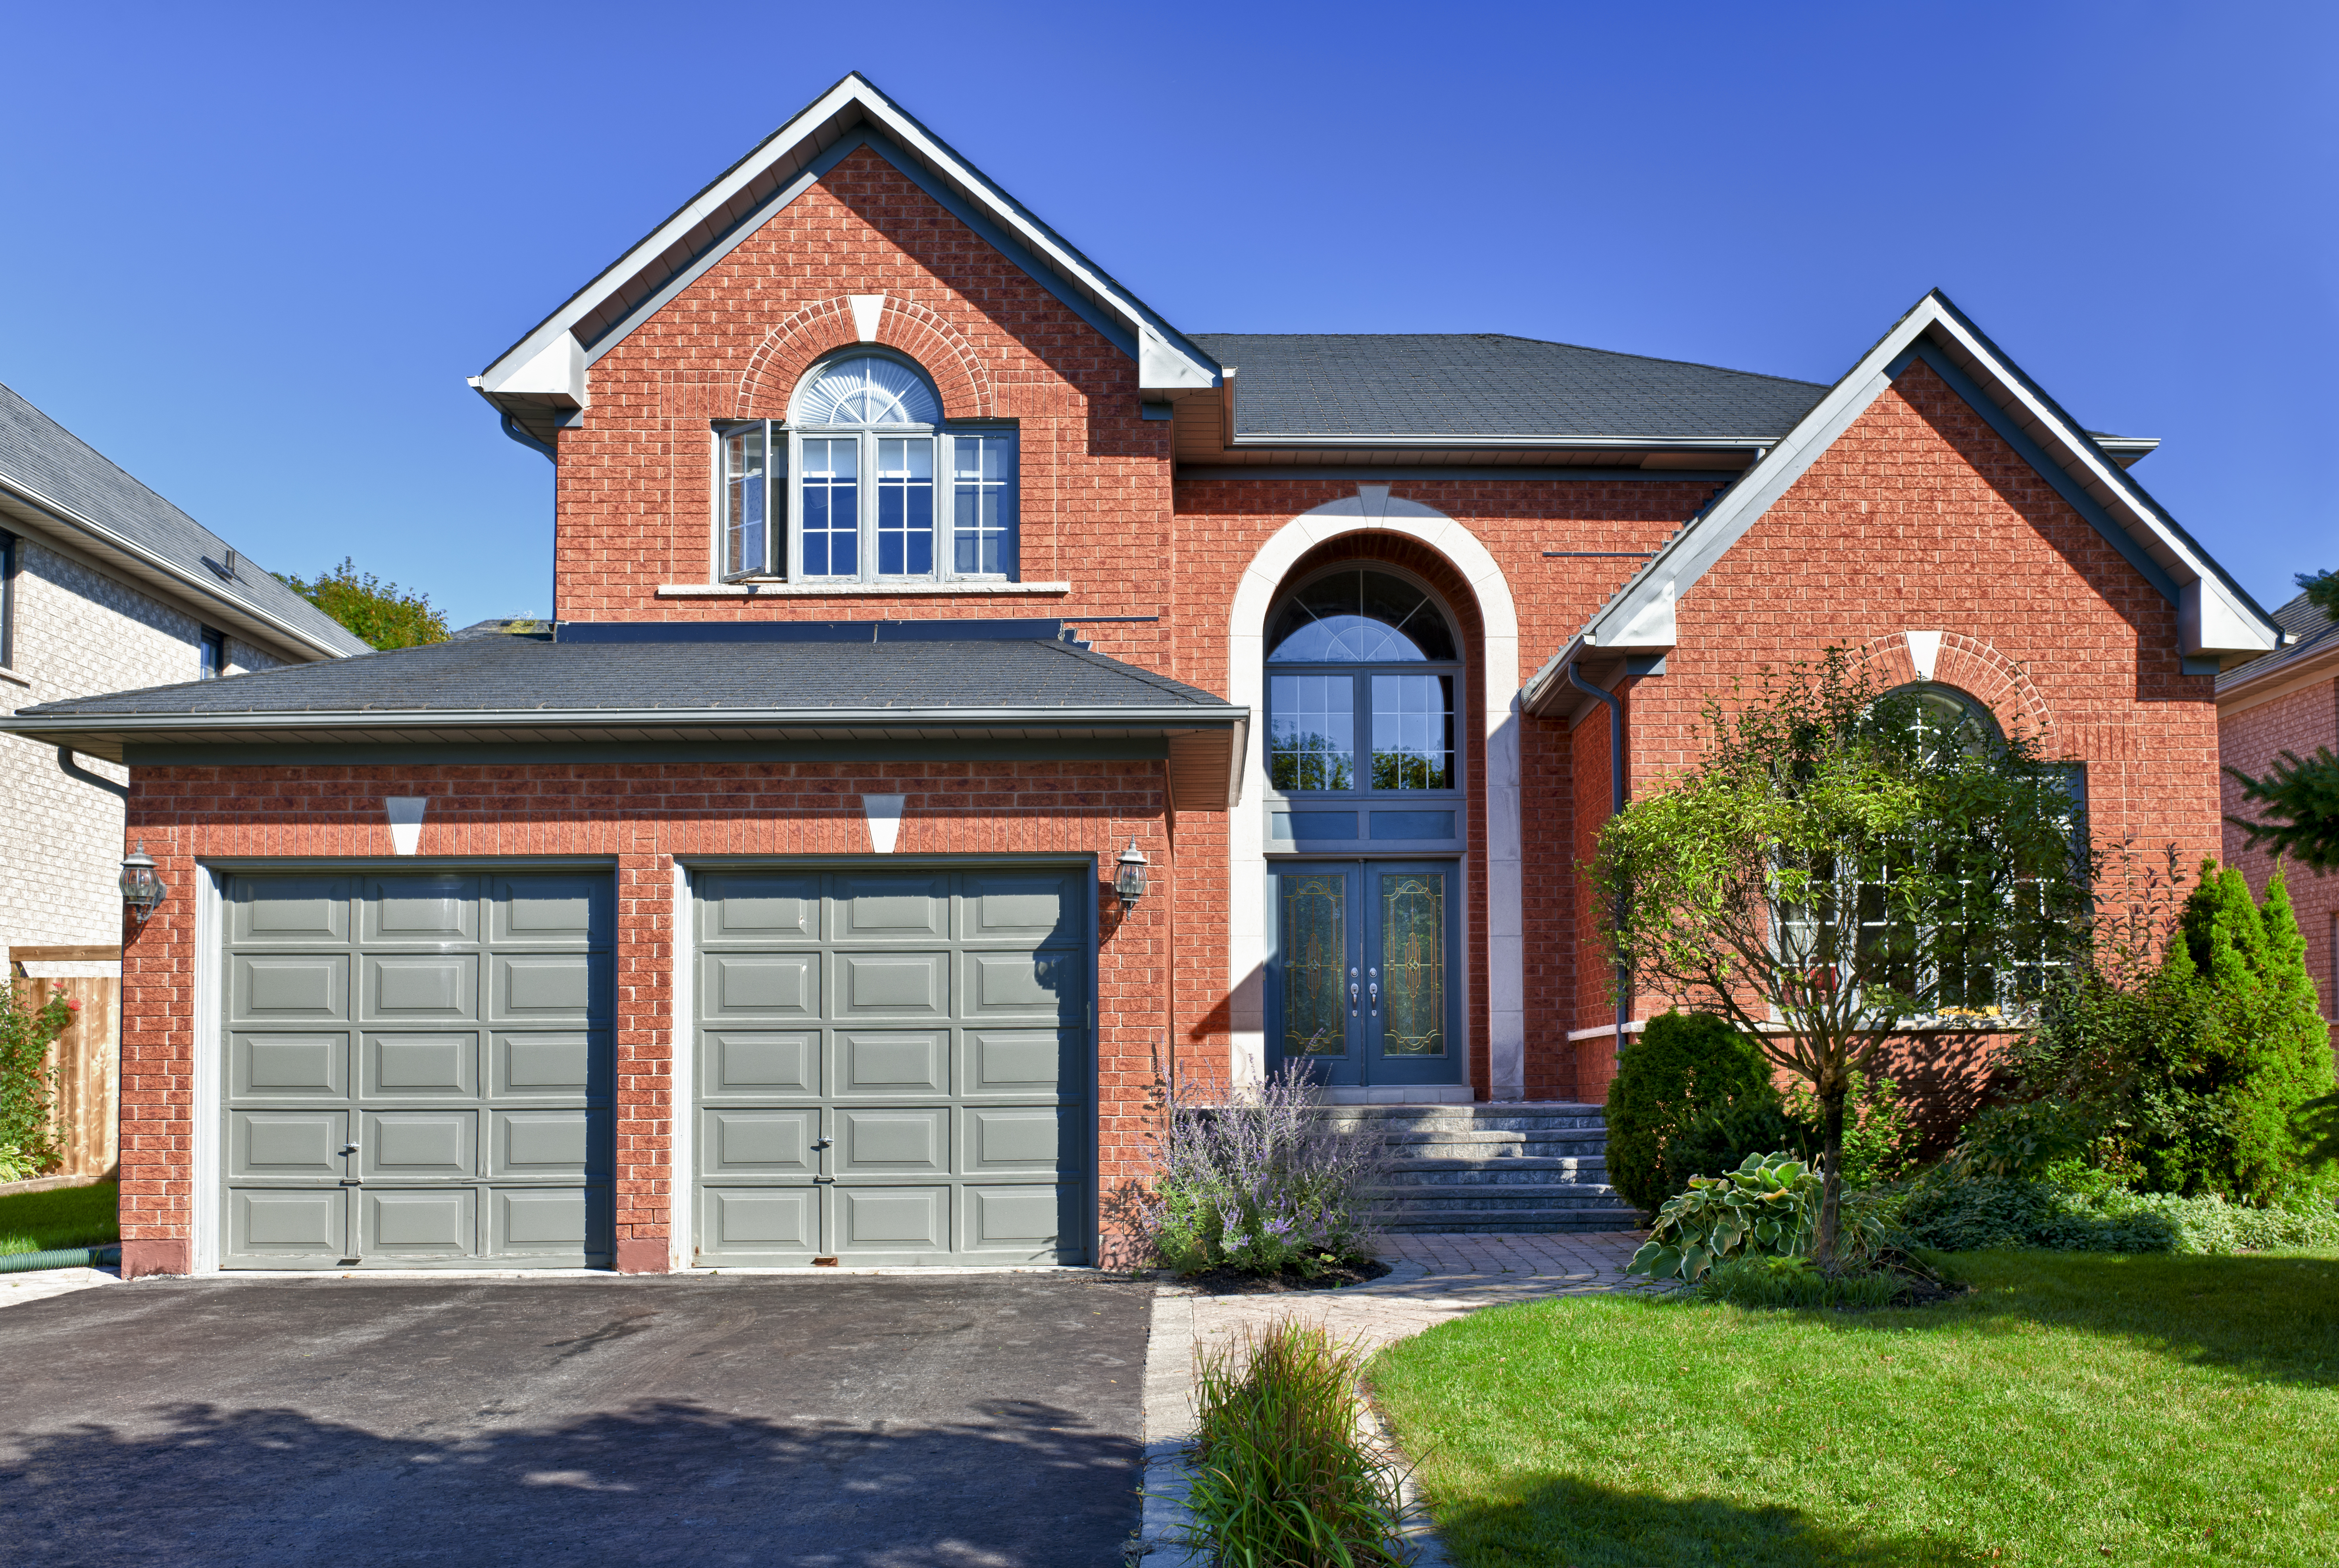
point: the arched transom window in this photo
(879, 491)
(1362, 670)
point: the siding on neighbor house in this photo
(78, 631)
(2252, 739)
(638, 817)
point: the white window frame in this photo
(784, 514)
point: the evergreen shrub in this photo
(1683, 1065)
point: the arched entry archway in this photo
(1494, 651)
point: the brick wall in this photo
(78, 632)
(2252, 738)
(641, 817)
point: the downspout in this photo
(74, 770)
(1616, 807)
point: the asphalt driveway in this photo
(892, 1421)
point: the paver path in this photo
(1433, 1279)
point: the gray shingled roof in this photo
(520, 675)
(42, 457)
(2316, 631)
(1491, 384)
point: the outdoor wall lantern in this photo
(1130, 882)
(142, 887)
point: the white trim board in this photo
(1373, 510)
(681, 1081)
(207, 1195)
(2215, 618)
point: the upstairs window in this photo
(7, 600)
(213, 657)
(1362, 675)
(880, 493)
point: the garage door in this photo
(892, 1066)
(418, 1071)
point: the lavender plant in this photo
(1252, 1179)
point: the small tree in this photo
(1840, 863)
(379, 613)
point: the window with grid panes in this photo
(1362, 675)
(863, 483)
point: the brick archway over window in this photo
(904, 326)
(1974, 667)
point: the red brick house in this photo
(2287, 701)
(911, 575)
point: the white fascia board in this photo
(557, 372)
(1470, 442)
(671, 719)
(1642, 609)
(851, 101)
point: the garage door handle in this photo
(822, 1143)
(823, 1181)
(349, 1149)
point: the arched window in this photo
(866, 443)
(1361, 653)
(1950, 720)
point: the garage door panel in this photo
(434, 1065)
(892, 985)
(546, 990)
(896, 1220)
(895, 907)
(272, 1228)
(289, 988)
(767, 1225)
(409, 1145)
(1019, 1140)
(1022, 1224)
(893, 1063)
(418, 909)
(288, 1066)
(555, 909)
(288, 911)
(545, 1144)
(764, 987)
(425, 1225)
(740, 1144)
(549, 1225)
(287, 1145)
(911, 1140)
(1022, 1063)
(1021, 906)
(558, 1064)
(736, 1063)
(418, 988)
(755, 907)
(1050, 984)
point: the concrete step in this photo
(1565, 1222)
(1437, 1145)
(1523, 1171)
(1490, 1199)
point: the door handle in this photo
(1373, 986)
(822, 1143)
(1352, 993)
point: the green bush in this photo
(1950, 1213)
(1880, 1139)
(1683, 1065)
(2021, 1139)
(1282, 1475)
(1767, 1208)
(1793, 1282)
(1718, 1140)
(27, 1084)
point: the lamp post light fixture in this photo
(1130, 883)
(142, 887)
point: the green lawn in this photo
(2075, 1408)
(67, 1216)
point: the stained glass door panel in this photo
(1313, 992)
(1412, 953)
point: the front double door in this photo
(1364, 978)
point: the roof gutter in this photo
(1413, 440)
(1131, 718)
(164, 566)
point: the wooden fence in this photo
(87, 1112)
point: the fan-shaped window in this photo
(1357, 617)
(868, 389)
(1948, 720)
(867, 485)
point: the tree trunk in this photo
(1831, 1098)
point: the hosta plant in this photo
(1768, 1208)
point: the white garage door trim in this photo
(682, 1025)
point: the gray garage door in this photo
(892, 1066)
(418, 1071)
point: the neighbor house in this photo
(973, 702)
(105, 585)
(2287, 701)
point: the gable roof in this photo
(2217, 621)
(1311, 387)
(548, 371)
(53, 479)
(2309, 636)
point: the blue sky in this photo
(251, 252)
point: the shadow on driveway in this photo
(968, 1420)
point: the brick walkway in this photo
(1433, 1279)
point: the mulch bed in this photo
(1235, 1282)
